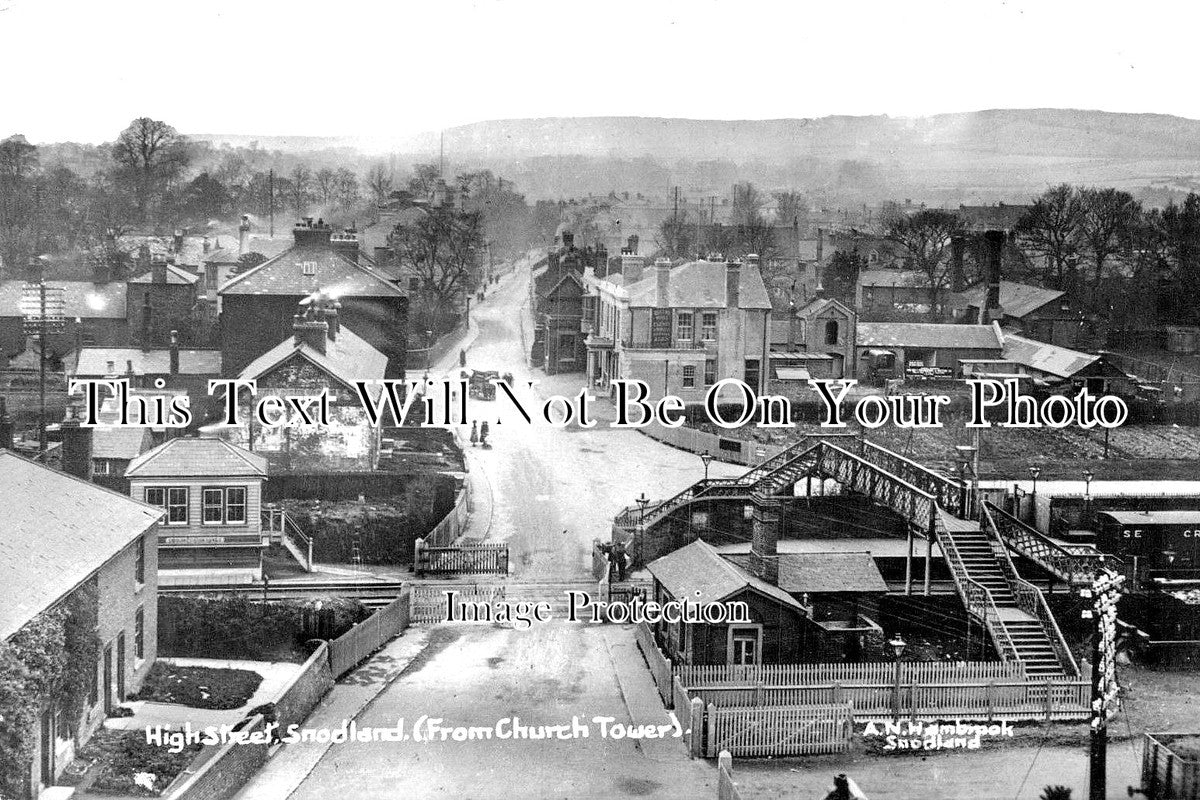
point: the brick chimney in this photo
(346, 243)
(77, 449)
(994, 242)
(662, 274)
(764, 540)
(307, 232)
(333, 318)
(568, 240)
(311, 328)
(820, 244)
(6, 426)
(158, 269)
(733, 280)
(174, 352)
(244, 235)
(177, 242)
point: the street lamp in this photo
(1087, 493)
(898, 644)
(1034, 472)
(642, 502)
(707, 458)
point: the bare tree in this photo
(791, 208)
(442, 248)
(379, 181)
(300, 188)
(1108, 214)
(926, 237)
(152, 152)
(747, 203)
(346, 187)
(1050, 229)
(326, 185)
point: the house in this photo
(921, 350)
(556, 300)
(257, 306)
(91, 313)
(211, 493)
(885, 293)
(814, 341)
(162, 302)
(113, 448)
(680, 329)
(1032, 311)
(70, 547)
(322, 354)
(176, 367)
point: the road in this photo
(542, 480)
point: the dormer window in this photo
(308, 267)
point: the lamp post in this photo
(969, 454)
(707, 458)
(1034, 472)
(1087, 495)
(898, 644)
(642, 502)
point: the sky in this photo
(80, 70)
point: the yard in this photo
(199, 687)
(123, 763)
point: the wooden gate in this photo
(431, 601)
(475, 559)
(779, 730)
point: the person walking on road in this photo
(474, 433)
(462, 357)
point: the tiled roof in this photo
(698, 572)
(57, 531)
(95, 361)
(893, 277)
(119, 441)
(700, 284)
(927, 334)
(332, 273)
(191, 254)
(1016, 299)
(829, 572)
(1043, 357)
(176, 276)
(83, 299)
(197, 458)
(348, 358)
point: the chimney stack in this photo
(158, 269)
(244, 235)
(333, 318)
(77, 449)
(174, 352)
(6, 426)
(311, 330)
(662, 272)
(346, 243)
(568, 240)
(764, 540)
(992, 311)
(820, 245)
(733, 280)
(177, 242)
(307, 232)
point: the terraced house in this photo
(78, 608)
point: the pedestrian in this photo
(619, 559)
(462, 357)
(474, 433)
(483, 433)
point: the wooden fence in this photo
(660, 665)
(726, 790)
(1053, 699)
(779, 731)
(446, 532)
(430, 602)
(863, 673)
(354, 646)
(1166, 775)
(485, 558)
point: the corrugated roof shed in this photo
(700, 284)
(1060, 362)
(698, 572)
(197, 458)
(57, 531)
(1016, 299)
(927, 334)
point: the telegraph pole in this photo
(43, 311)
(271, 201)
(1105, 592)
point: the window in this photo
(308, 267)
(689, 376)
(177, 506)
(708, 326)
(710, 372)
(210, 276)
(751, 376)
(744, 648)
(685, 325)
(224, 506)
(139, 634)
(139, 562)
(831, 332)
(173, 498)
(100, 466)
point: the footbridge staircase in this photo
(938, 509)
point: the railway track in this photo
(373, 594)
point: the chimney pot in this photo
(733, 280)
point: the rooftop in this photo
(698, 572)
(120, 360)
(348, 358)
(83, 299)
(1016, 299)
(700, 284)
(304, 269)
(176, 276)
(57, 531)
(1044, 357)
(202, 457)
(927, 334)
(119, 441)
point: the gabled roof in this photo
(176, 276)
(1060, 362)
(94, 361)
(698, 572)
(332, 272)
(819, 304)
(197, 458)
(927, 334)
(57, 531)
(348, 358)
(829, 572)
(119, 441)
(700, 284)
(1016, 299)
(83, 299)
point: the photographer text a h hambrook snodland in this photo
(445, 403)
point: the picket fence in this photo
(715, 675)
(354, 646)
(779, 730)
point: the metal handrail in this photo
(1036, 546)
